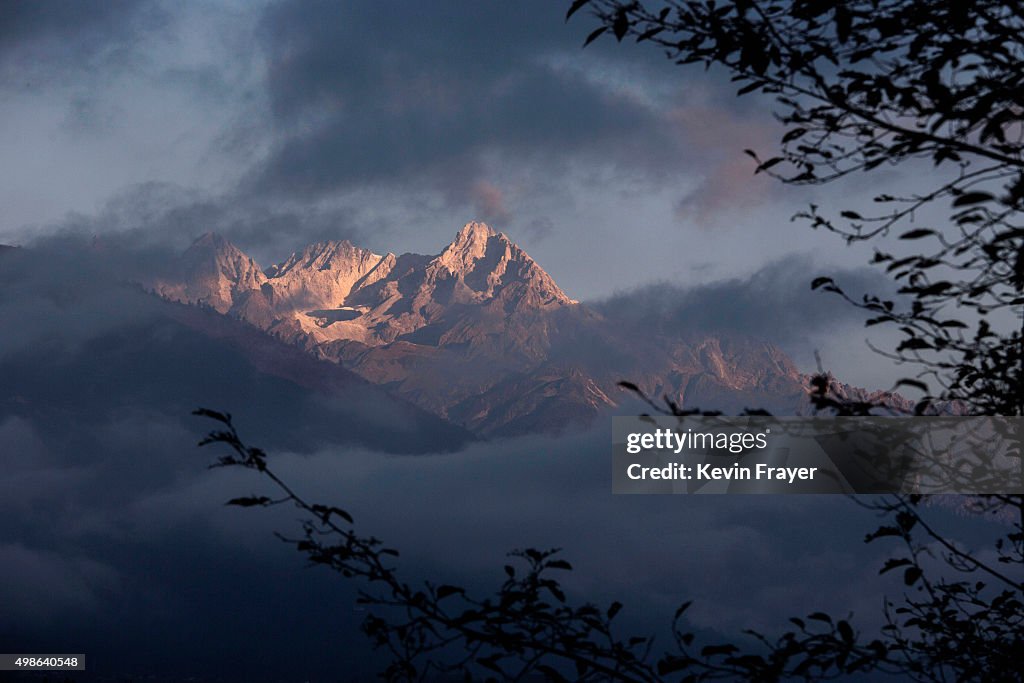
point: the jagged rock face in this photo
(479, 334)
(481, 269)
(487, 267)
(321, 277)
(334, 291)
(212, 272)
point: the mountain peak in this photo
(475, 230)
(469, 246)
(490, 266)
(212, 271)
(326, 255)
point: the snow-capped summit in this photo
(382, 297)
(469, 245)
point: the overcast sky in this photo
(392, 124)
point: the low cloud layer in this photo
(775, 304)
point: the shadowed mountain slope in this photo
(89, 351)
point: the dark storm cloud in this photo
(816, 329)
(776, 303)
(69, 289)
(167, 218)
(57, 39)
(422, 94)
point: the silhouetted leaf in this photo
(912, 575)
(917, 234)
(594, 35)
(768, 164)
(671, 664)
(446, 591)
(968, 198)
(913, 344)
(793, 134)
(821, 282)
(491, 663)
(249, 501)
(893, 563)
(551, 674)
(575, 7)
(213, 414)
(916, 384)
(325, 512)
(906, 521)
(749, 87)
(620, 26)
